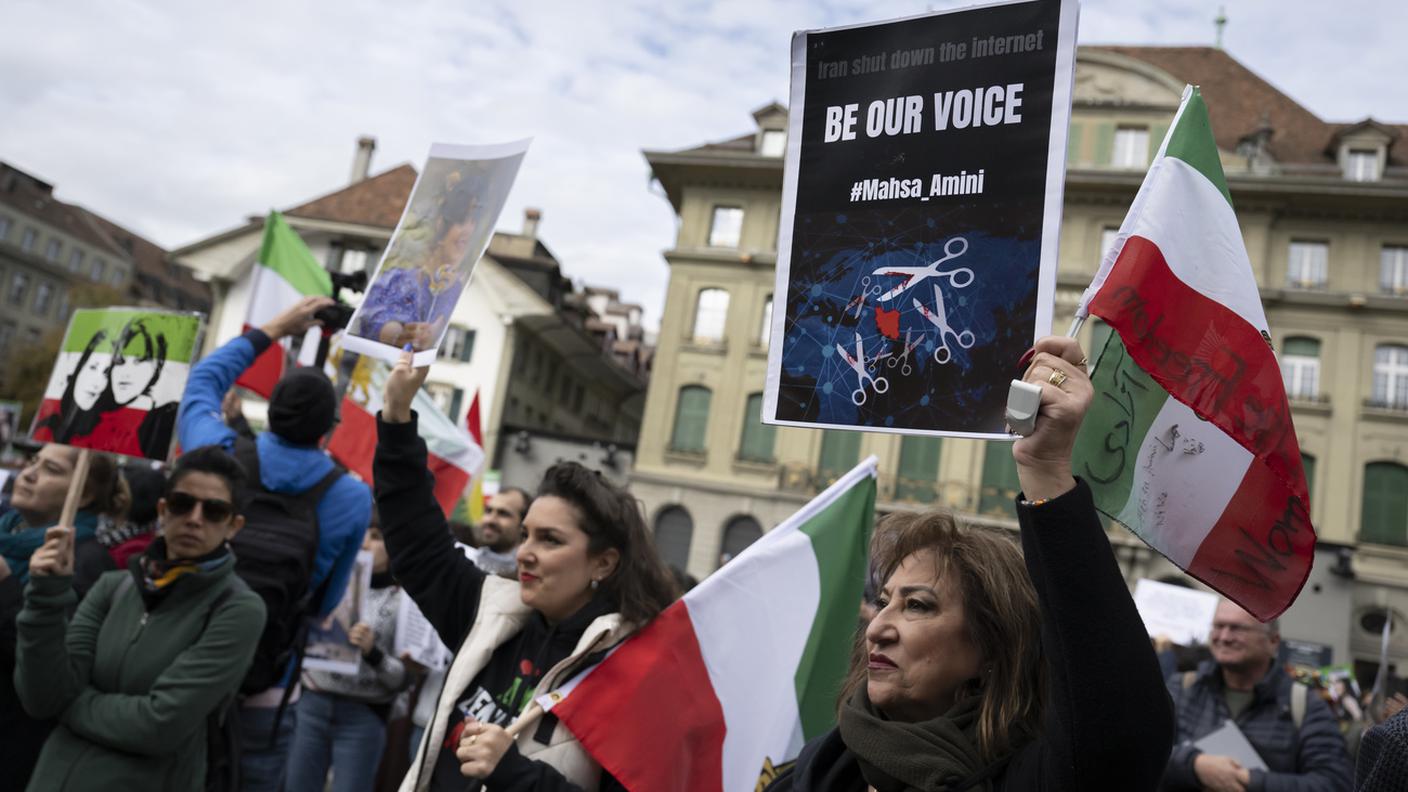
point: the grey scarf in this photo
(938, 755)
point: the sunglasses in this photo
(179, 503)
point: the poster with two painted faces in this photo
(117, 383)
(922, 191)
(443, 231)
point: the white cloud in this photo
(180, 119)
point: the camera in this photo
(337, 315)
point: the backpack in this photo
(222, 734)
(1299, 694)
(275, 554)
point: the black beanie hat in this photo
(303, 406)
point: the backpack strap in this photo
(1299, 695)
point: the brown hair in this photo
(105, 492)
(610, 516)
(1000, 611)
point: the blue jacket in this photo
(1309, 759)
(343, 513)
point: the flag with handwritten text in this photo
(1190, 441)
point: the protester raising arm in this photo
(444, 584)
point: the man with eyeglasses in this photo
(150, 653)
(1292, 730)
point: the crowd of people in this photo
(156, 641)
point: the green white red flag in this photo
(286, 272)
(1190, 441)
(730, 681)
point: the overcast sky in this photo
(179, 119)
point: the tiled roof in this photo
(376, 201)
(152, 262)
(1238, 99)
(28, 196)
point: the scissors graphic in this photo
(859, 364)
(903, 360)
(939, 317)
(913, 276)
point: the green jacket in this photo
(131, 690)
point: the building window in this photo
(1361, 165)
(1308, 264)
(75, 260)
(43, 297)
(840, 451)
(1391, 376)
(7, 334)
(53, 249)
(28, 239)
(19, 287)
(1131, 147)
(674, 529)
(95, 273)
(919, 469)
(773, 144)
(1108, 235)
(998, 494)
(756, 445)
(1307, 463)
(447, 397)
(691, 419)
(710, 314)
(726, 228)
(63, 311)
(740, 532)
(766, 330)
(1300, 367)
(4, 227)
(1384, 517)
(117, 277)
(1393, 269)
(458, 344)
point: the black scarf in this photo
(156, 576)
(938, 755)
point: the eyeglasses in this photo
(1237, 629)
(212, 509)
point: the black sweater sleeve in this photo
(515, 773)
(1109, 721)
(443, 583)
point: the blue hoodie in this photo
(343, 513)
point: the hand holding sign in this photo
(1044, 457)
(54, 558)
(401, 387)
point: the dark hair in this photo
(103, 492)
(155, 350)
(611, 517)
(71, 420)
(147, 485)
(522, 494)
(214, 460)
(1000, 614)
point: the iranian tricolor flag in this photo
(1190, 441)
(285, 273)
(730, 681)
(452, 456)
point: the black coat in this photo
(1109, 722)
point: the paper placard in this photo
(328, 648)
(1183, 614)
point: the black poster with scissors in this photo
(921, 208)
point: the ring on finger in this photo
(472, 738)
(1057, 377)
(1084, 361)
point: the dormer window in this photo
(1362, 165)
(773, 143)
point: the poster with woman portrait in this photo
(118, 380)
(442, 233)
(329, 646)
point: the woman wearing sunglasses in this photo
(150, 653)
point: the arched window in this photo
(1300, 367)
(1384, 514)
(756, 445)
(674, 529)
(691, 419)
(1391, 375)
(1000, 484)
(919, 469)
(840, 451)
(740, 532)
(710, 314)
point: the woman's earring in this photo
(595, 583)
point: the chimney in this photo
(530, 222)
(362, 162)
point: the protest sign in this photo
(416, 639)
(444, 229)
(9, 422)
(921, 205)
(118, 380)
(1183, 614)
(328, 648)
